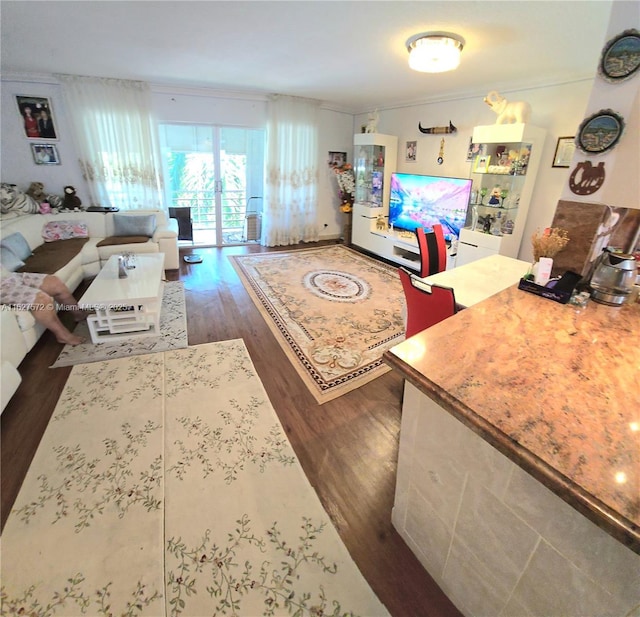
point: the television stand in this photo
(398, 247)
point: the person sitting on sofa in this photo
(38, 294)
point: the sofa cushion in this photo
(50, 257)
(113, 240)
(9, 260)
(17, 244)
(64, 230)
(134, 225)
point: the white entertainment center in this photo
(400, 247)
(375, 158)
(506, 163)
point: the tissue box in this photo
(546, 292)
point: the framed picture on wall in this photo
(37, 117)
(45, 154)
(411, 152)
(337, 159)
(565, 148)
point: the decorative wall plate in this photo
(600, 132)
(621, 56)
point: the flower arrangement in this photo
(549, 243)
(346, 186)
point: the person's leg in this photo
(53, 286)
(44, 312)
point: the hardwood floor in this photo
(348, 447)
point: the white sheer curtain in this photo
(115, 135)
(291, 192)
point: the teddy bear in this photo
(71, 200)
(47, 201)
(36, 190)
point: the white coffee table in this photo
(125, 307)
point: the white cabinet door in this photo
(470, 252)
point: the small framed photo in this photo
(411, 151)
(37, 117)
(565, 148)
(45, 154)
(337, 159)
(481, 163)
(475, 150)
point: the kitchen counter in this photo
(553, 387)
(518, 478)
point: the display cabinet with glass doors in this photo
(503, 170)
(375, 158)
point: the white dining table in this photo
(478, 280)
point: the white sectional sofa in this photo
(19, 329)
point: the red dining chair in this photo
(426, 304)
(433, 250)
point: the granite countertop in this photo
(554, 387)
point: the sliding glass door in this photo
(217, 172)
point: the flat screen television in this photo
(423, 201)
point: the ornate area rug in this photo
(165, 485)
(333, 310)
(173, 335)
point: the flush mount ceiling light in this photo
(434, 52)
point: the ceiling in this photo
(349, 54)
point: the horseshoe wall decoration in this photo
(438, 130)
(587, 179)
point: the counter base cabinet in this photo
(495, 540)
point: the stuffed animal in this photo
(55, 201)
(12, 199)
(71, 200)
(36, 190)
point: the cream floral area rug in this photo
(165, 485)
(173, 335)
(333, 310)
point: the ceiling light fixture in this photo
(434, 52)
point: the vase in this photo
(346, 227)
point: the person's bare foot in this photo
(71, 339)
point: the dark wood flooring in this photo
(348, 447)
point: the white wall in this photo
(557, 109)
(16, 160)
(621, 187)
(170, 105)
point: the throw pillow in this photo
(64, 230)
(134, 225)
(9, 260)
(18, 244)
